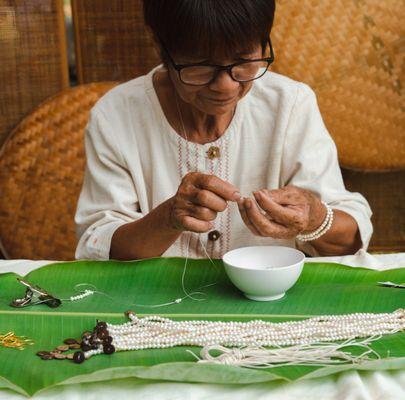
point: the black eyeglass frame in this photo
(227, 68)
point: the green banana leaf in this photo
(322, 289)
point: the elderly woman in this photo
(211, 151)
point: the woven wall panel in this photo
(33, 57)
(352, 53)
(386, 195)
(111, 40)
(41, 174)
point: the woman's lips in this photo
(219, 100)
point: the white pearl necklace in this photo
(156, 332)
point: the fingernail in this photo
(236, 196)
(248, 203)
(257, 194)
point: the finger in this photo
(283, 215)
(202, 213)
(263, 225)
(205, 198)
(195, 225)
(224, 189)
(245, 218)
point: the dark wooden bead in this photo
(103, 333)
(78, 357)
(214, 235)
(107, 340)
(108, 349)
(85, 347)
(101, 325)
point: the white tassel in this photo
(318, 354)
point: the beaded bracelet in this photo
(326, 225)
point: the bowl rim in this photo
(261, 269)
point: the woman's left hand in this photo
(285, 213)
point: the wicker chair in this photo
(41, 172)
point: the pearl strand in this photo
(325, 226)
(158, 332)
(86, 293)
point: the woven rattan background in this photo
(352, 53)
(111, 40)
(32, 57)
(41, 173)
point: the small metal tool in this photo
(35, 295)
(392, 284)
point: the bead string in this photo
(81, 295)
(191, 295)
(154, 332)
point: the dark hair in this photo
(208, 27)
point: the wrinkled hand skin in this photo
(282, 213)
(198, 200)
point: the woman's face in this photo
(219, 96)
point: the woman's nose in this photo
(223, 82)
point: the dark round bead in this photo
(53, 303)
(78, 357)
(102, 333)
(214, 235)
(101, 325)
(108, 349)
(85, 347)
(107, 340)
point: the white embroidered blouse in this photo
(135, 161)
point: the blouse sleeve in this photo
(108, 198)
(310, 162)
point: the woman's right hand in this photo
(198, 200)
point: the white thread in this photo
(189, 295)
(315, 354)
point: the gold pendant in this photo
(213, 152)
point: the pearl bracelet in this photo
(325, 226)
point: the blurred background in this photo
(58, 57)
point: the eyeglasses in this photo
(200, 74)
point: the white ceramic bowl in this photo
(264, 273)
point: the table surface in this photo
(349, 385)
